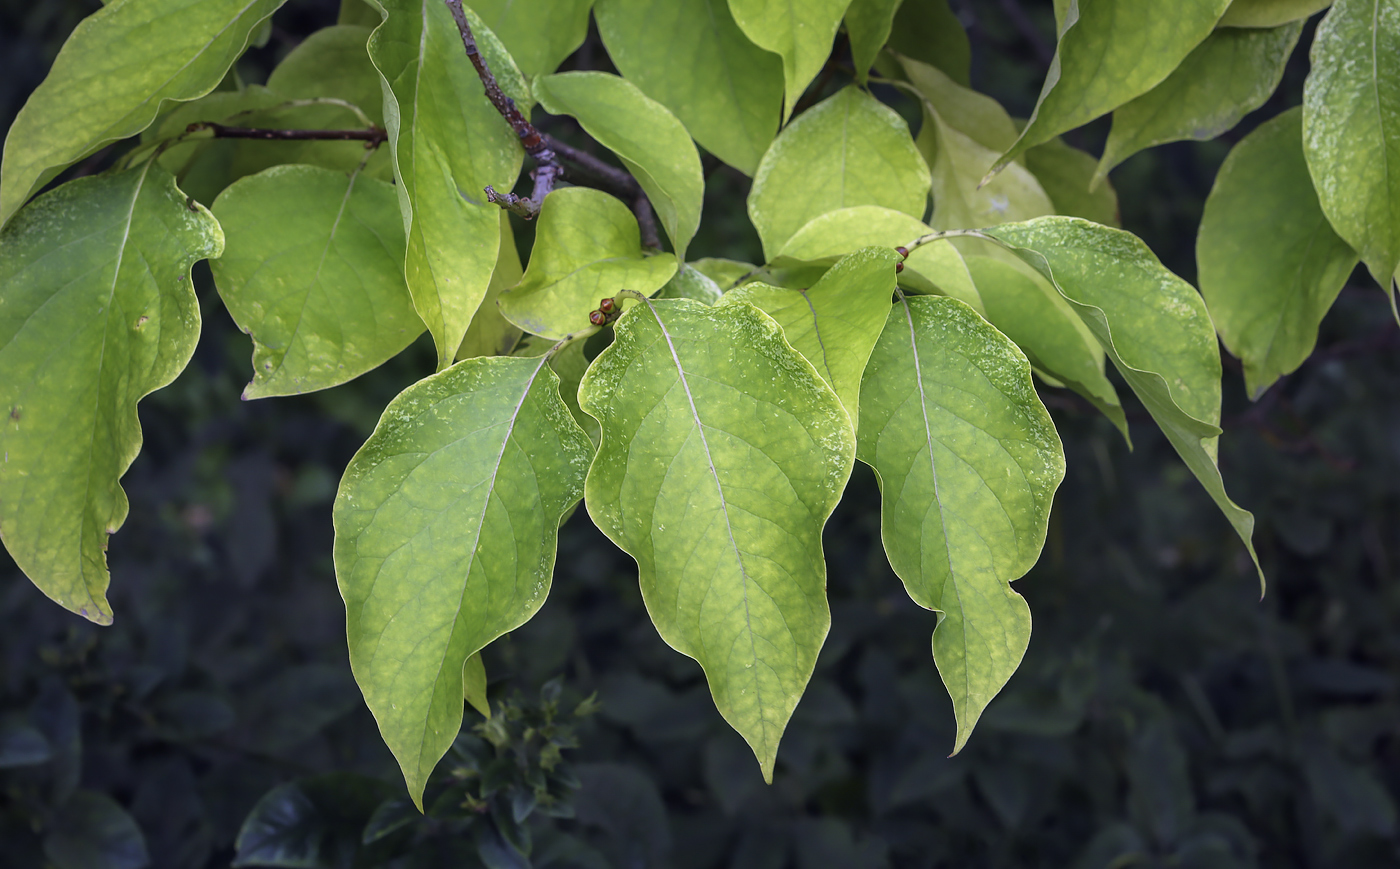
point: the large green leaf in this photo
(836, 322)
(649, 140)
(929, 31)
(723, 454)
(538, 35)
(449, 143)
(1269, 13)
(112, 76)
(1111, 51)
(96, 311)
(1351, 128)
(1064, 174)
(313, 272)
(691, 57)
(445, 530)
(490, 333)
(587, 247)
(1151, 324)
(849, 149)
(1270, 264)
(1223, 79)
(800, 33)
(868, 24)
(968, 462)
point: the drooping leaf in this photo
(491, 334)
(800, 33)
(587, 247)
(1223, 79)
(446, 522)
(691, 57)
(538, 35)
(1064, 174)
(1270, 264)
(309, 823)
(1269, 13)
(649, 140)
(928, 31)
(97, 312)
(723, 454)
(1351, 128)
(474, 684)
(449, 143)
(92, 831)
(312, 270)
(849, 149)
(835, 323)
(108, 83)
(959, 163)
(1151, 324)
(868, 24)
(690, 283)
(968, 462)
(1101, 63)
(973, 113)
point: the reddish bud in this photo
(898, 267)
(902, 251)
(606, 306)
(598, 318)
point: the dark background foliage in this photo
(1162, 711)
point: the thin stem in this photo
(372, 137)
(947, 233)
(585, 332)
(615, 181)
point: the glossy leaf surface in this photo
(968, 462)
(1270, 264)
(446, 523)
(723, 454)
(538, 35)
(1269, 13)
(800, 33)
(97, 312)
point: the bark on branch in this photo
(372, 137)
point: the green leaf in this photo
(332, 62)
(1102, 63)
(205, 166)
(1064, 174)
(569, 363)
(849, 149)
(649, 140)
(587, 247)
(690, 283)
(448, 143)
(445, 530)
(1270, 264)
(928, 31)
(92, 831)
(97, 312)
(491, 334)
(311, 823)
(312, 271)
(959, 163)
(109, 81)
(975, 114)
(1269, 13)
(1151, 324)
(358, 13)
(474, 684)
(726, 273)
(800, 33)
(538, 35)
(1223, 79)
(1351, 128)
(723, 454)
(868, 24)
(1047, 330)
(691, 57)
(968, 462)
(835, 323)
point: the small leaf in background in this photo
(723, 454)
(1100, 64)
(929, 32)
(83, 105)
(691, 57)
(22, 745)
(446, 523)
(1151, 324)
(491, 334)
(849, 149)
(310, 823)
(92, 831)
(1269, 13)
(800, 33)
(1351, 128)
(968, 462)
(868, 24)
(726, 273)
(649, 140)
(1223, 79)
(1064, 174)
(312, 271)
(980, 117)
(690, 283)
(98, 269)
(587, 247)
(539, 36)
(1270, 264)
(474, 684)
(625, 805)
(836, 323)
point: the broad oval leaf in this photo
(849, 149)
(538, 35)
(445, 530)
(723, 454)
(968, 462)
(107, 83)
(1101, 63)
(649, 140)
(691, 57)
(1151, 324)
(96, 312)
(1223, 79)
(587, 247)
(1270, 264)
(1269, 13)
(448, 143)
(1351, 128)
(800, 33)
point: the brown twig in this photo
(372, 137)
(615, 181)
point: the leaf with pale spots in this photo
(445, 529)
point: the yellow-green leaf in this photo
(538, 35)
(800, 33)
(1269, 13)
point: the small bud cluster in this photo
(607, 312)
